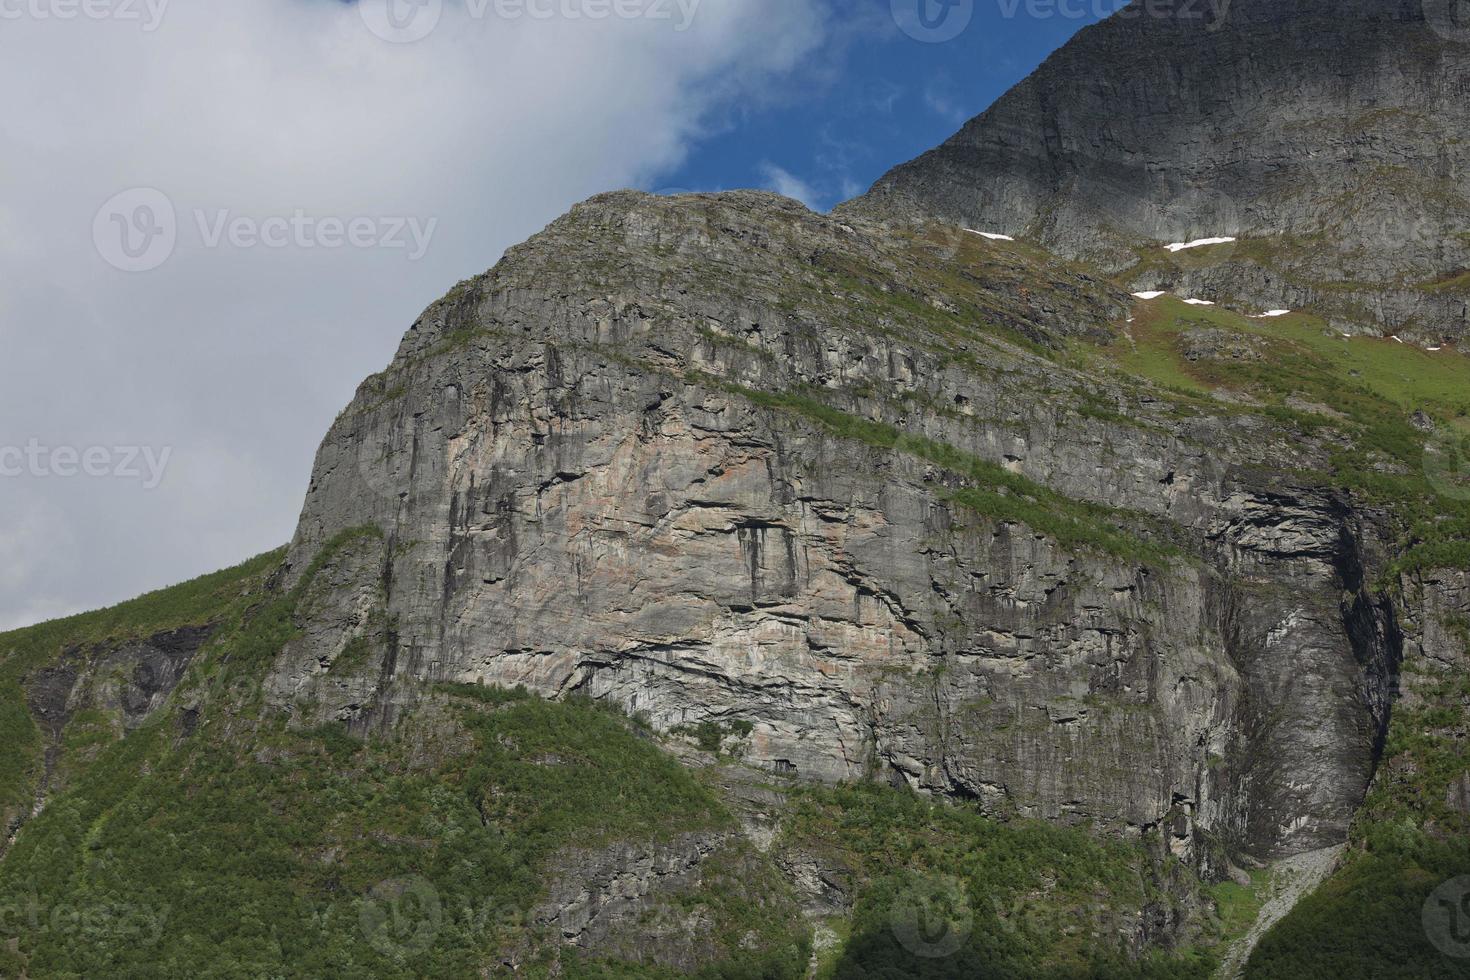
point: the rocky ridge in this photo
(701, 457)
(1328, 138)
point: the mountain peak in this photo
(1326, 138)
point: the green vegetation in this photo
(253, 848)
(993, 492)
(1016, 900)
(1367, 921)
(1237, 905)
(710, 736)
(1357, 396)
(203, 601)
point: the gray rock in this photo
(587, 481)
(1327, 136)
(1205, 343)
(1458, 796)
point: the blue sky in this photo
(230, 356)
(875, 97)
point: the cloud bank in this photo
(284, 145)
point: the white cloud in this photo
(944, 105)
(238, 358)
(785, 182)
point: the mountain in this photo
(718, 588)
(1327, 137)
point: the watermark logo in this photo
(1447, 918)
(401, 917)
(146, 464)
(1211, 13)
(1447, 462)
(1450, 19)
(406, 21)
(138, 925)
(932, 917)
(933, 21)
(148, 14)
(136, 231)
(401, 21)
(139, 230)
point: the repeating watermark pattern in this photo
(1447, 462)
(138, 230)
(105, 923)
(1447, 918)
(937, 21)
(402, 917)
(933, 21)
(406, 21)
(1450, 19)
(147, 14)
(146, 464)
(401, 21)
(932, 917)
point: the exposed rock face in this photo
(624, 900)
(1328, 136)
(1431, 681)
(593, 474)
(1213, 344)
(115, 687)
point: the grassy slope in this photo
(1365, 390)
(1366, 921)
(1017, 900)
(992, 492)
(205, 600)
(265, 863)
(249, 849)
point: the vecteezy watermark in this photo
(1212, 13)
(148, 14)
(932, 21)
(406, 21)
(1447, 462)
(401, 917)
(1446, 918)
(932, 917)
(138, 230)
(105, 923)
(145, 463)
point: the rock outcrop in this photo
(1327, 136)
(93, 694)
(704, 458)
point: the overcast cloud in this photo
(267, 127)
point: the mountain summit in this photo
(1329, 138)
(717, 588)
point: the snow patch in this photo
(1199, 302)
(993, 236)
(1181, 246)
(1155, 294)
(1270, 313)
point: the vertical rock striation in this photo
(699, 457)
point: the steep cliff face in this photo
(726, 462)
(832, 506)
(1328, 137)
